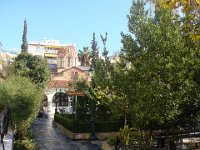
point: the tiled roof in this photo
(70, 68)
(58, 84)
(63, 51)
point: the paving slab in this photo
(49, 138)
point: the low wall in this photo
(83, 136)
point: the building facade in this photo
(67, 57)
(63, 62)
(59, 56)
(64, 81)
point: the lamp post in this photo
(56, 109)
(92, 107)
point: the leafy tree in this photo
(100, 73)
(188, 11)
(161, 79)
(24, 99)
(104, 40)
(103, 66)
(194, 4)
(84, 56)
(24, 46)
(156, 79)
(109, 86)
(34, 67)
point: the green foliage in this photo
(24, 46)
(156, 80)
(83, 108)
(108, 126)
(161, 75)
(111, 141)
(94, 51)
(34, 67)
(75, 126)
(84, 56)
(110, 91)
(104, 40)
(24, 99)
(124, 135)
(188, 11)
(26, 144)
(79, 126)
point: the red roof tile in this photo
(58, 84)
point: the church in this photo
(65, 69)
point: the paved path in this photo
(49, 138)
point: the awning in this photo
(53, 46)
(50, 55)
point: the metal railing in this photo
(4, 123)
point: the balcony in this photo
(51, 51)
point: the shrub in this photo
(24, 99)
(108, 126)
(26, 144)
(78, 126)
(65, 121)
(125, 134)
(111, 141)
(73, 125)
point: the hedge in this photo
(108, 126)
(78, 126)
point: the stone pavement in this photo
(49, 138)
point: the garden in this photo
(149, 96)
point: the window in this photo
(38, 48)
(60, 63)
(74, 75)
(69, 60)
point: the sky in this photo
(69, 21)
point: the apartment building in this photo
(59, 56)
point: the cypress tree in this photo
(95, 51)
(24, 46)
